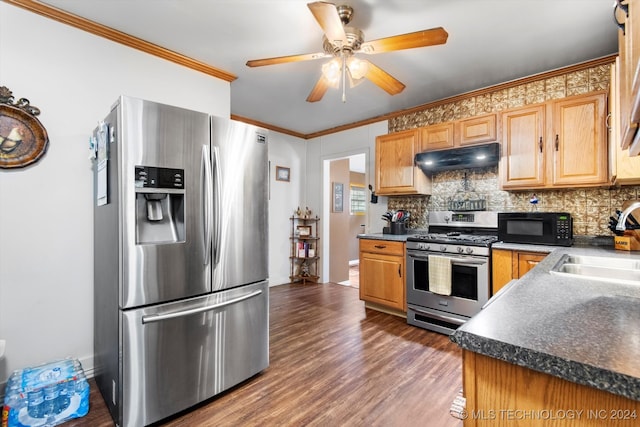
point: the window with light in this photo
(358, 199)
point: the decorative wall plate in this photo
(23, 139)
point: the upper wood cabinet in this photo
(579, 141)
(436, 137)
(522, 162)
(396, 172)
(629, 53)
(623, 169)
(474, 130)
(558, 144)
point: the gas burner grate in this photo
(454, 237)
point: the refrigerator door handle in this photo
(160, 317)
(207, 200)
(216, 205)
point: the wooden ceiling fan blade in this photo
(384, 80)
(327, 16)
(285, 59)
(318, 90)
(422, 38)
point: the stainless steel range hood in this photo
(475, 156)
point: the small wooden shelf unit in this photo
(304, 250)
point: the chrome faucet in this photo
(622, 220)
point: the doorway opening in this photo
(346, 210)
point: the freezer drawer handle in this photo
(160, 317)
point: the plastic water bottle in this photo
(66, 391)
(82, 389)
(51, 400)
(35, 405)
(13, 400)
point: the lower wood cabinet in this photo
(508, 265)
(382, 273)
(499, 393)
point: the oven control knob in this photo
(460, 250)
(469, 250)
(443, 248)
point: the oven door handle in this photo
(454, 260)
(468, 263)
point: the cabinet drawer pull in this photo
(557, 142)
(380, 246)
(540, 144)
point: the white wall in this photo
(307, 188)
(46, 222)
(285, 197)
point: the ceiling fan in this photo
(342, 42)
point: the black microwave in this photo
(539, 228)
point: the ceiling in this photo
(490, 42)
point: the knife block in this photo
(395, 228)
(630, 241)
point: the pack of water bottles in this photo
(46, 395)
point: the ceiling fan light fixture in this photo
(357, 68)
(332, 72)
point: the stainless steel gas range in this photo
(458, 247)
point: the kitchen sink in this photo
(607, 269)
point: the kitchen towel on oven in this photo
(439, 275)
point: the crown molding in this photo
(119, 37)
(268, 126)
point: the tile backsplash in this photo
(577, 82)
(589, 207)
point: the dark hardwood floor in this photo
(332, 363)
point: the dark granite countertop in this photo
(524, 247)
(392, 237)
(580, 330)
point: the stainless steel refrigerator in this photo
(180, 258)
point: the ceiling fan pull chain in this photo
(344, 77)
